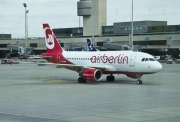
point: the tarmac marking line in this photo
(44, 77)
(56, 81)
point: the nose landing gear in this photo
(139, 81)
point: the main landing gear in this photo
(110, 78)
(139, 81)
(81, 80)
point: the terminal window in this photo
(3, 45)
(33, 44)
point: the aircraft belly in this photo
(135, 69)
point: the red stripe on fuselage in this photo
(56, 58)
(126, 73)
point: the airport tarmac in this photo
(31, 93)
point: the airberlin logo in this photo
(49, 38)
(120, 59)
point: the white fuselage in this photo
(115, 61)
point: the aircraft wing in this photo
(75, 67)
(43, 64)
(46, 57)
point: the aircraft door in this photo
(132, 60)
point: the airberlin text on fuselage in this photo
(120, 59)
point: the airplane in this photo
(91, 46)
(91, 65)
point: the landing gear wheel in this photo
(84, 81)
(110, 78)
(81, 80)
(139, 81)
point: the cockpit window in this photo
(151, 59)
(147, 59)
(143, 59)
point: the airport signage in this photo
(169, 37)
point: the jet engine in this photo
(92, 74)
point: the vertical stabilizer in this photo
(52, 44)
(91, 46)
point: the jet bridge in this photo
(116, 46)
(19, 51)
(77, 47)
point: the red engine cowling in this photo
(92, 74)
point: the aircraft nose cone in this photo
(158, 67)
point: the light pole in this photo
(24, 4)
(132, 28)
(26, 30)
(27, 26)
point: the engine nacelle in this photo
(92, 74)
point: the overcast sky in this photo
(63, 13)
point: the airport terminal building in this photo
(154, 37)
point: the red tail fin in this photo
(52, 44)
